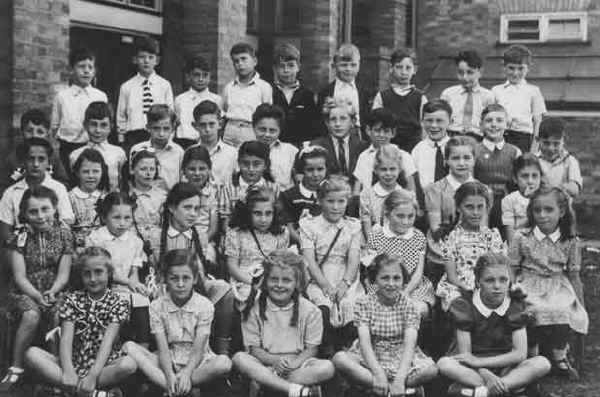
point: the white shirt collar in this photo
(442, 142)
(387, 232)
(252, 81)
(493, 145)
(305, 192)
(380, 190)
(195, 93)
(520, 83)
(108, 236)
(341, 82)
(455, 183)
(85, 195)
(172, 233)
(189, 306)
(244, 185)
(486, 311)
(149, 78)
(540, 236)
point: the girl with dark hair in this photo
(282, 332)
(467, 241)
(255, 231)
(385, 357)
(179, 215)
(254, 170)
(40, 259)
(90, 175)
(546, 260)
(181, 324)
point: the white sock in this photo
(480, 391)
(17, 370)
(294, 390)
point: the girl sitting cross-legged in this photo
(491, 350)
(90, 356)
(282, 332)
(385, 357)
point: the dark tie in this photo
(440, 167)
(147, 99)
(468, 110)
(342, 156)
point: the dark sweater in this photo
(495, 168)
(407, 109)
(302, 121)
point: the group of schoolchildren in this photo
(265, 216)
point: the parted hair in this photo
(386, 259)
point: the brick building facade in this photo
(33, 64)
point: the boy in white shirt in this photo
(523, 102)
(161, 121)
(68, 109)
(268, 120)
(242, 96)
(36, 154)
(197, 72)
(97, 122)
(140, 92)
(207, 117)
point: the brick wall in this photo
(5, 76)
(41, 53)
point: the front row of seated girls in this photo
(543, 256)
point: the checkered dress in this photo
(387, 325)
(411, 250)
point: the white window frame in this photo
(544, 23)
(129, 4)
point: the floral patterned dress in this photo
(462, 248)
(91, 317)
(240, 245)
(86, 217)
(42, 252)
(541, 263)
(387, 325)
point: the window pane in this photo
(525, 29)
(564, 29)
(290, 15)
(145, 3)
(251, 15)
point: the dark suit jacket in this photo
(302, 120)
(363, 102)
(355, 145)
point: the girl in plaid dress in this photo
(40, 260)
(91, 176)
(90, 355)
(385, 357)
(398, 237)
(181, 322)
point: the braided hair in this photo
(282, 258)
(180, 191)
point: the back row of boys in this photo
(523, 102)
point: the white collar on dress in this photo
(540, 236)
(245, 185)
(309, 194)
(493, 145)
(387, 232)
(486, 311)
(172, 233)
(85, 195)
(381, 192)
(455, 183)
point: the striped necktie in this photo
(147, 99)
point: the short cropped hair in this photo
(398, 55)
(146, 44)
(98, 110)
(158, 112)
(242, 48)
(23, 148)
(36, 117)
(346, 52)
(286, 52)
(268, 111)
(518, 54)
(380, 115)
(81, 54)
(552, 127)
(470, 57)
(196, 62)
(437, 104)
(206, 107)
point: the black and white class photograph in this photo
(300, 198)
